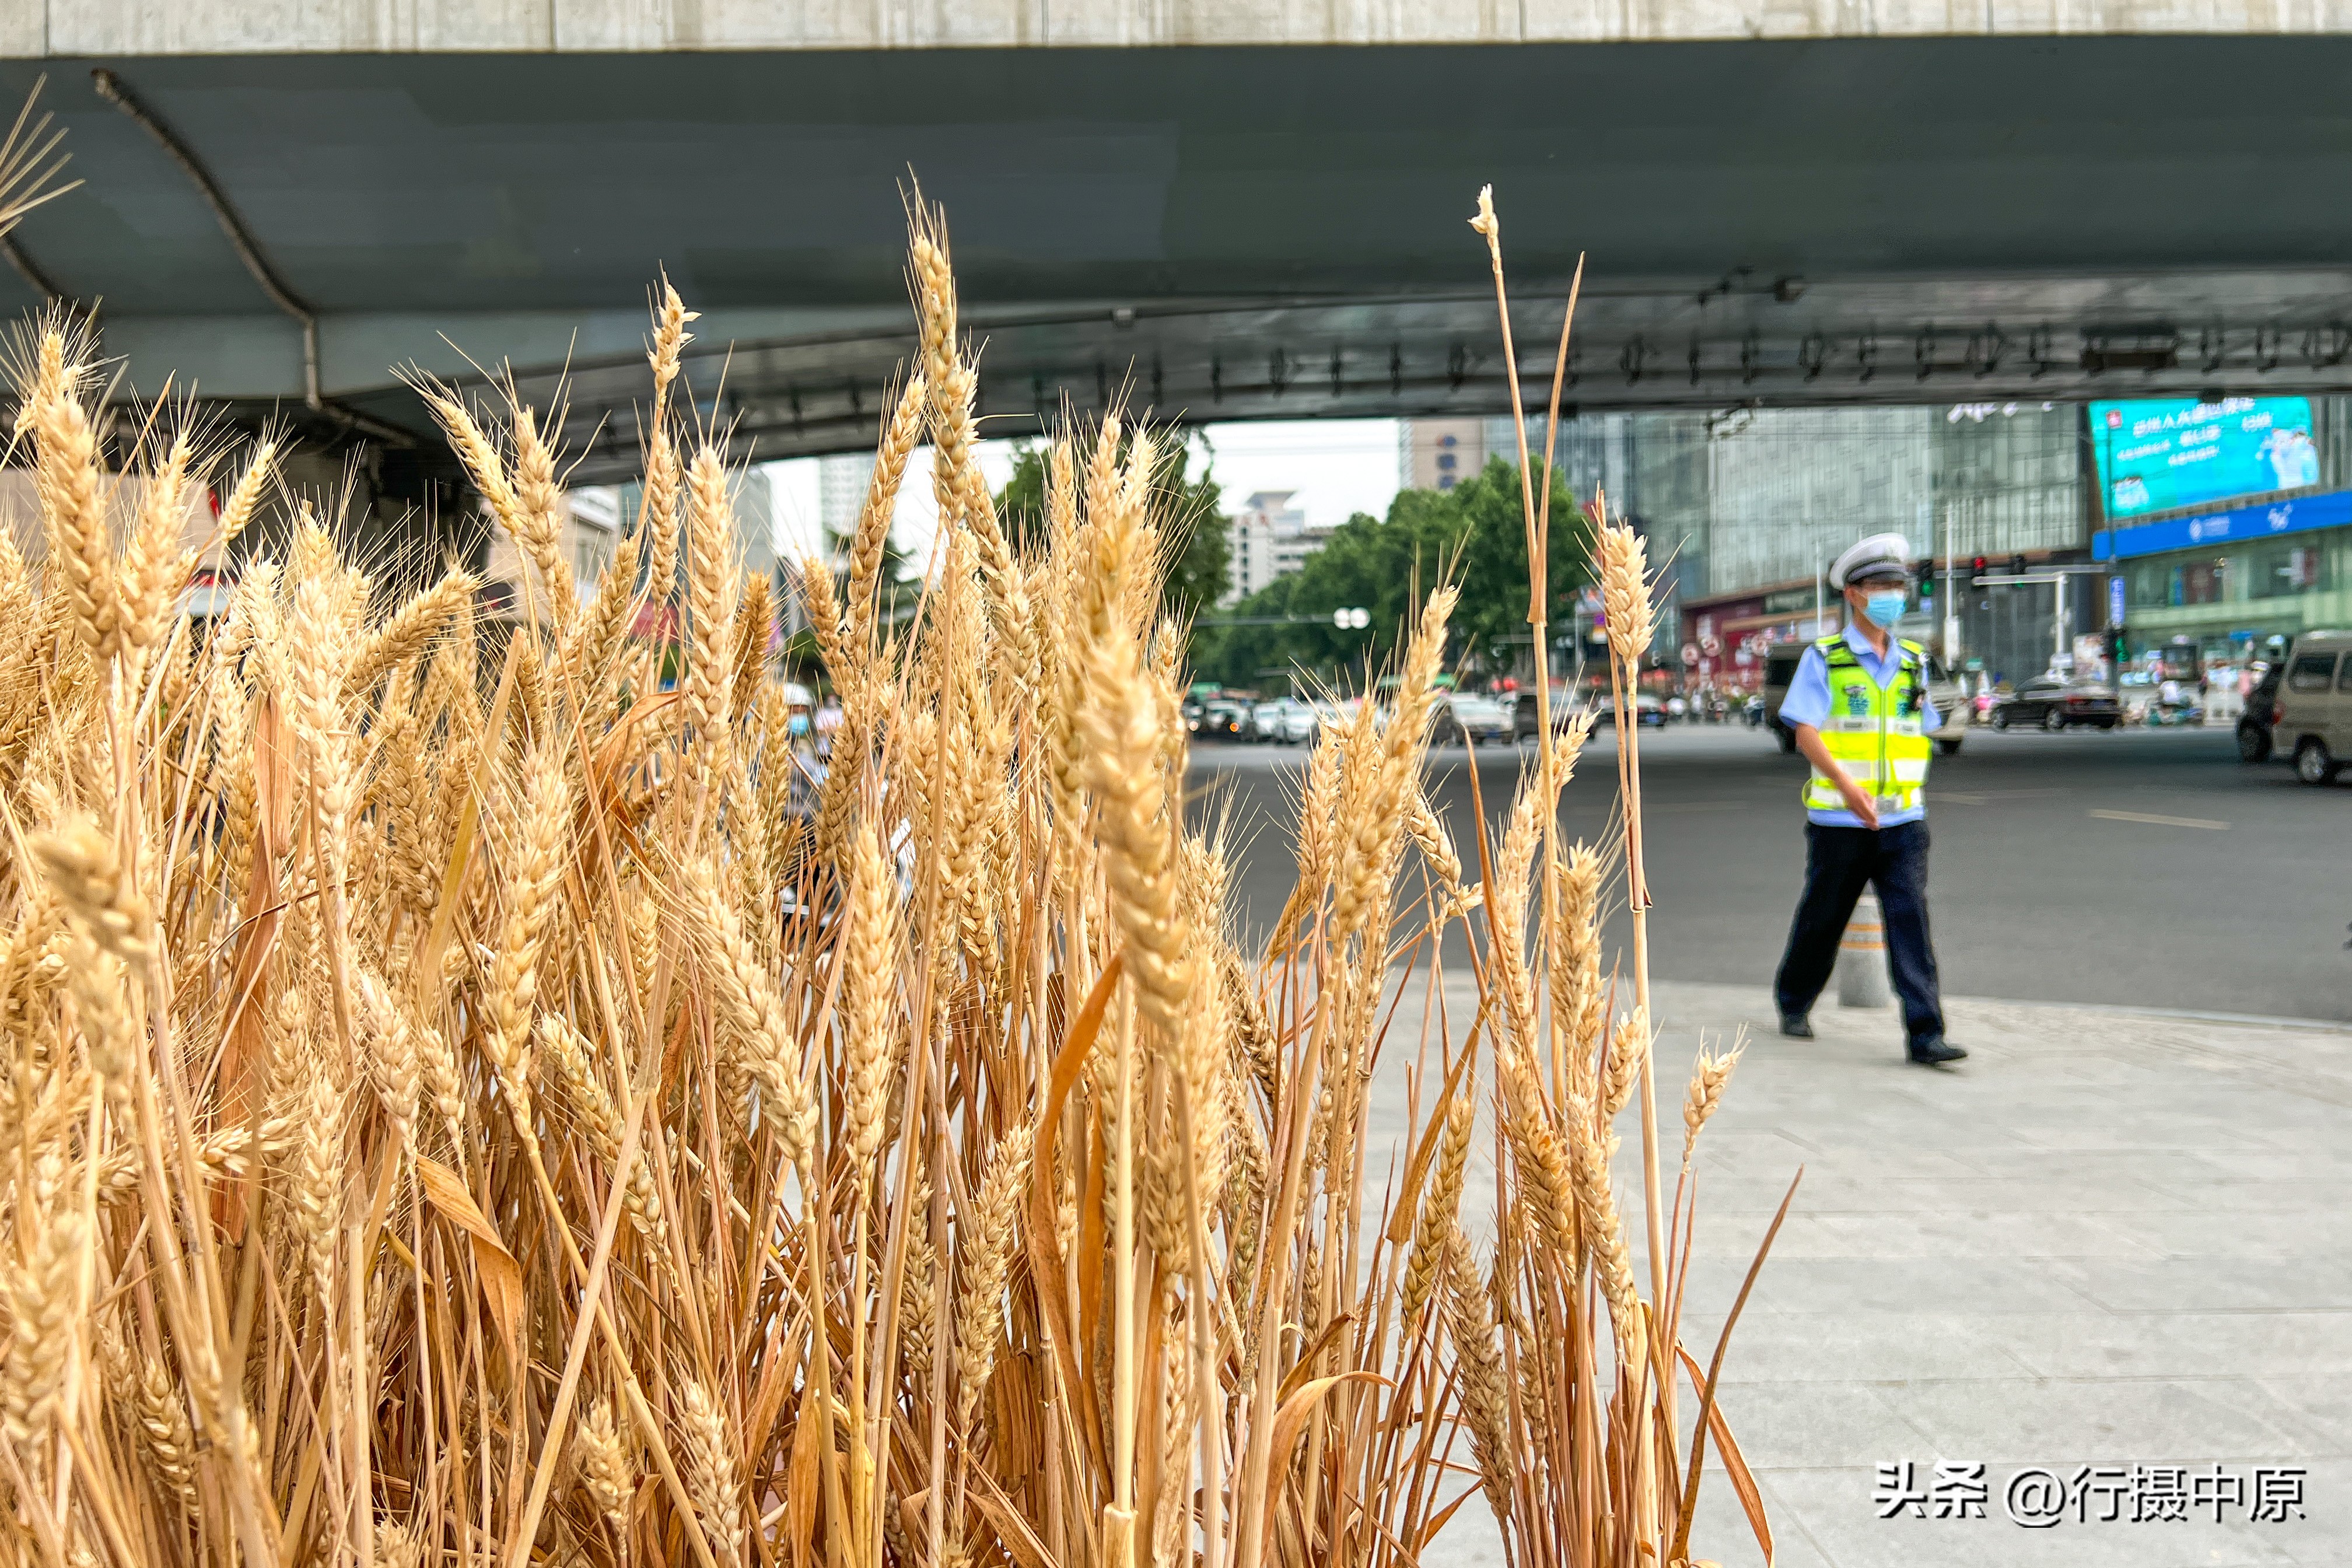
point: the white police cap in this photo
(1879, 552)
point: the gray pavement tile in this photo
(2147, 1421)
(1878, 1348)
(1779, 1424)
(2180, 1344)
(2321, 1402)
(2143, 1166)
(1824, 1193)
(2233, 1231)
(1955, 1234)
(2206, 1285)
(2323, 1538)
(2331, 1166)
(1893, 1162)
(2144, 1128)
(2300, 1193)
(1847, 1286)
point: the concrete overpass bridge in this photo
(1247, 209)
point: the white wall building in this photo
(1271, 538)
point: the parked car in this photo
(1649, 709)
(1338, 711)
(1565, 706)
(2310, 717)
(2056, 703)
(2254, 742)
(1482, 718)
(1944, 696)
(1286, 721)
(1221, 721)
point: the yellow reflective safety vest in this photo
(1876, 733)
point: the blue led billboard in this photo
(2166, 454)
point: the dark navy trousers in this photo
(1838, 863)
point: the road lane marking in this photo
(2159, 821)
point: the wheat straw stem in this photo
(1625, 588)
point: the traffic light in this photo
(2017, 565)
(1977, 567)
(1927, 580)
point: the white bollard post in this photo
(1862, 957)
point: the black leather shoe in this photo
(1936, 1052)
(1796, 1025)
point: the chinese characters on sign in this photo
(2037, 1497)
(2165, 454)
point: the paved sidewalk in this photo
(2103, 1240)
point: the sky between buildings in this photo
(1338, 467)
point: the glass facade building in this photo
(1745, 508)
(2257, 576)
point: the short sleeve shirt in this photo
(1808, 702)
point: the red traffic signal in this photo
(1977, 565)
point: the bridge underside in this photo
(1229, 234)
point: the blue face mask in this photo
(797, 723)
(1885, 609)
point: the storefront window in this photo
(2199, 582)
(2276, 570)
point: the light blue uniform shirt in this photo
(1808, 702)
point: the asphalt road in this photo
(2143, 867)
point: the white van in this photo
(2312, 720)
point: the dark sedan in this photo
(1221, 721)
(2056, 704)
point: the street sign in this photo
(2114, 601)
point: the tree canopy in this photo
(1473, 535)
(1185, 511)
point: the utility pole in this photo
(1951, 604)
(2062, 624)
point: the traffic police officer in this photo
(1859, 706)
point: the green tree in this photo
(1473, 535)
(1185, 511)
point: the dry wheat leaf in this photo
(1735, 1463)
(501, 1275)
